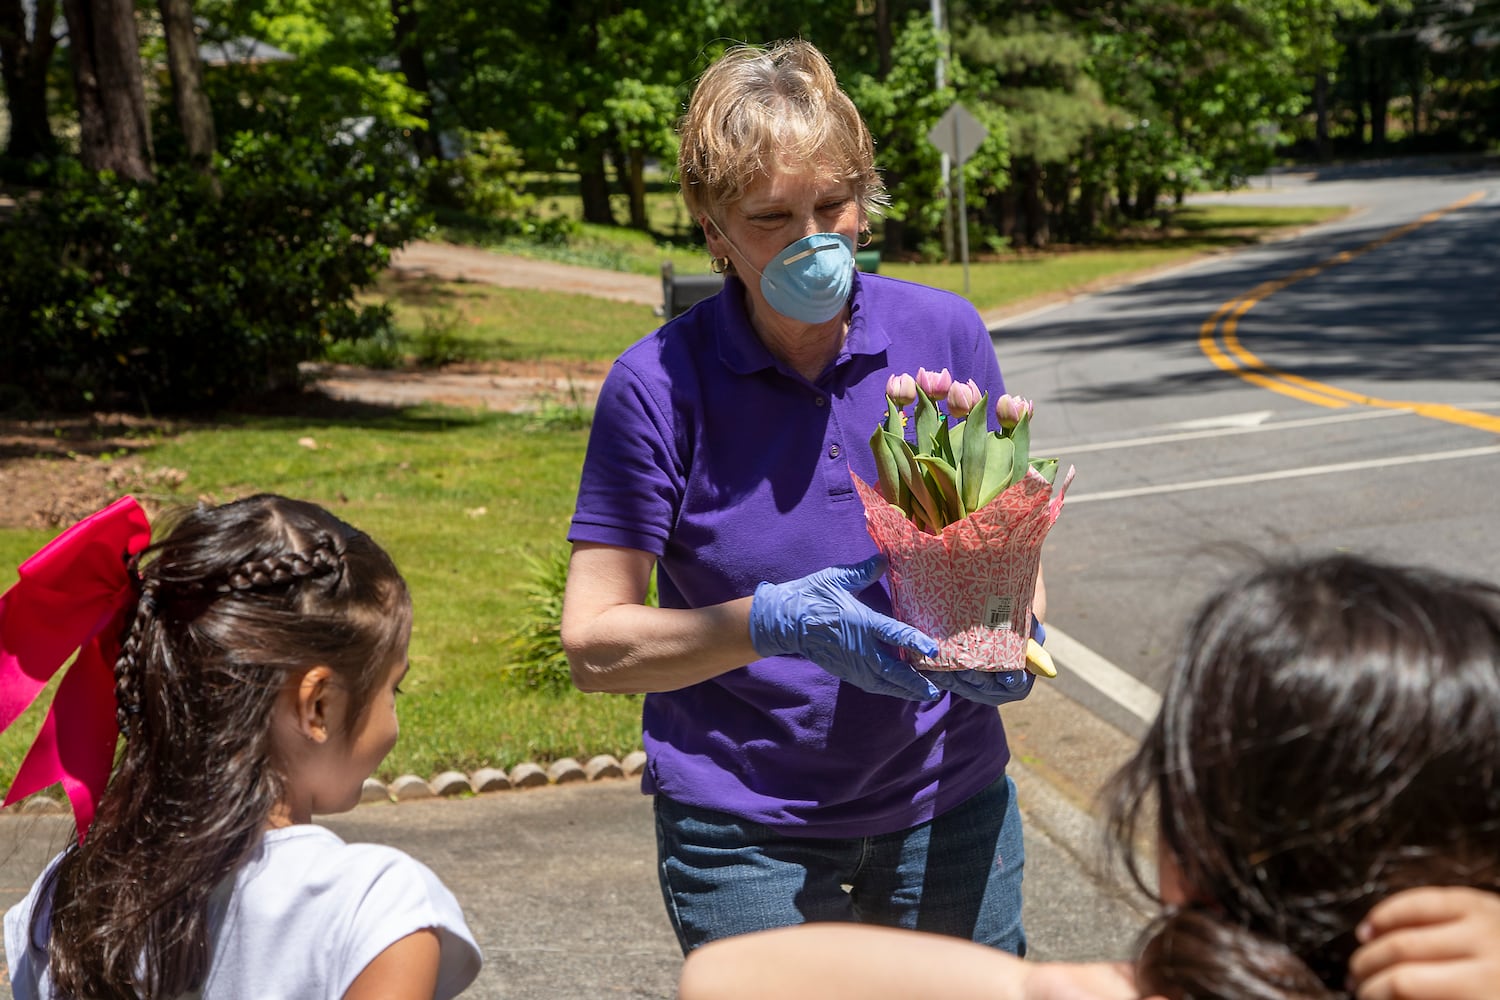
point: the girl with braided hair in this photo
(263, 642)
(1322, 785)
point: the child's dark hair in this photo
(234, 600)
(1330, 735)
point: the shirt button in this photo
(821, 401)
(833, 451)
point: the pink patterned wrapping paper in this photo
(970, 588)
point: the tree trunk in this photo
(1007, 215)
(23, 64)
(593, 187)
(892, 231)
(884, 41)
(113, 132)
(1416, 84)
(635, 183)
(194, 115)
(1380, 107)
(1320, 104)
(1033, 209)
(1357, 90)
(1090, 194)
(414, 68)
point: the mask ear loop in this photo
(718, 265)
(728, 263)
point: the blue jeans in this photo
(958, 874)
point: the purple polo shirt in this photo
(731, 469)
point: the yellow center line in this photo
(1218, 338)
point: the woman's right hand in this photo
(616, 643)
(818, 617)
(1429, 944)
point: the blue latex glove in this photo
(819, 617)
(989, 687)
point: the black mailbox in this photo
(680, 291)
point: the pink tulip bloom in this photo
(901, 389)
(1010, 410)
(963, 397)
(935, 384)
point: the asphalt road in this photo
(1338, 390)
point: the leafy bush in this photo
(484, 178)
(169, 296)
(540, 663)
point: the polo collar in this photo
(743, 352)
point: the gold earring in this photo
(718, 265)
(865, 238)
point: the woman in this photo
(793, 753)
(1326, 743)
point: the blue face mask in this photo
(810, 280)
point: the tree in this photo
(193, 112)
(406, 22)
(113, 131)
(1037, 71)
(23, 64)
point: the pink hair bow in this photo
(73, 594)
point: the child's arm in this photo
(1434, 943)
(854, 962)
(406, 970)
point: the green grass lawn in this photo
(460, 321)
(465, 501)
(460, 500)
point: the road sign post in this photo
(959, 135)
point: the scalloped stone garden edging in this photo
(448, 784)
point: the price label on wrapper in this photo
(998, 611)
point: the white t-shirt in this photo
(306, 914)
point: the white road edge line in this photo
(1199, 434)
(1264, 477)
(1077, 660)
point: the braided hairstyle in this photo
(235, 599)
(1329, 736)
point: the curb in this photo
(1080, 834)
(491, 779)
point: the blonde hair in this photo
(780, 105)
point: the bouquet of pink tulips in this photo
(958, 465)
(960, 516)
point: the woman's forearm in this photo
(631, 648)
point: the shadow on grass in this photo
(45, 435)
(293, 407)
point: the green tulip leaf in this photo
(1047, 467)
(998, 466)
(928, 421)
(923, 509)
(945, 477)
(942, 442)
(888, 464)
(956, 434)
(972, 449)
(893, 421)
(1020, 437)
